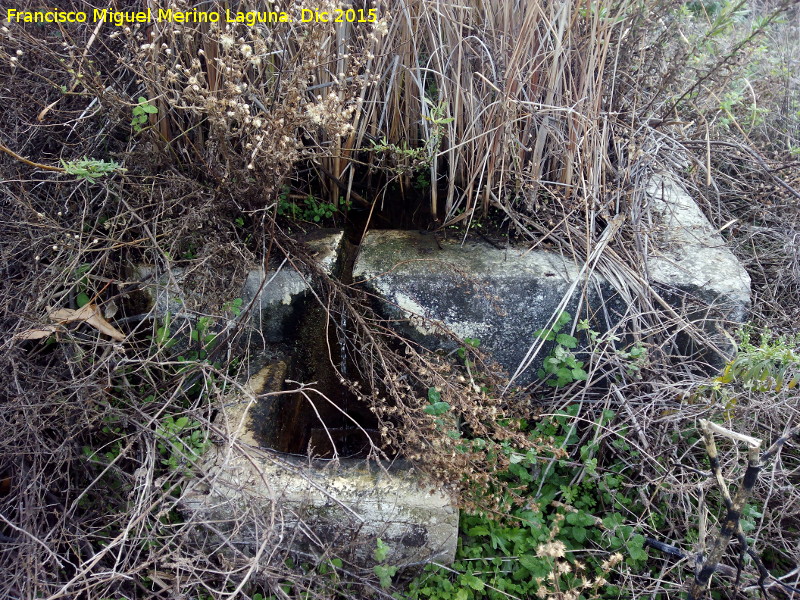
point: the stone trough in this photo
(335, 507)
(472, 289)
(435, 291)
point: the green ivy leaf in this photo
(566, 340)
(549, 336)
(563, 319)
(564, 374)
(579, 534)
(579, 374)
(381, 550)
(472, 581)
(385, 574)
(437, 408)
(536, 566)
(478, 530)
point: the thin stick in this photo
(731, 523)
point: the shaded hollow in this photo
(325, 419)
(333, 417)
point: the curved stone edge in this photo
(277, 294)
(344, 507)
(691, 266)
(689, 252)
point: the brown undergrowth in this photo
(553, 117)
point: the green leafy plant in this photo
(703, 9)
(82, 286)
(383, 571)
(234, 307)
(407, 160)
(201, 334)
(560, 366)
(435, 405)
(567, 536)
(468, 341)
(190, 253)
(437, 117)
(181, 441)
(770, 365)
(112, 434)
(637, 358)
(311, 209)
(90, 169)
(317, 211)
(141, 114)
(163, 335)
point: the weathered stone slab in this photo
(341, 508)
(498, 296)
(688, 252)
(432, 286)
(279, 292)
(689, 262)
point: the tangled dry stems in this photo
(100, 525)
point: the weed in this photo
(163, 334)
(407, 160)
(82, 286)
(435, 405)
(317, 211)
(472, 343)
(111, 431)
(704, 9)
(90, 169)
(566, 536)
(181, 442)
(561, 366)
(190, 253)
(637, 358)
(770, 365)
(141, 114)
(437, 117)
(311, 209)
(234, 307)
(383, 571)
(201, 334)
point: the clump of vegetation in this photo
(561, 366)
(567, 536)
(141, 114)
(545, 122)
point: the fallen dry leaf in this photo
(38, 332)
(89, 314)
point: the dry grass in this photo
(552, 114)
